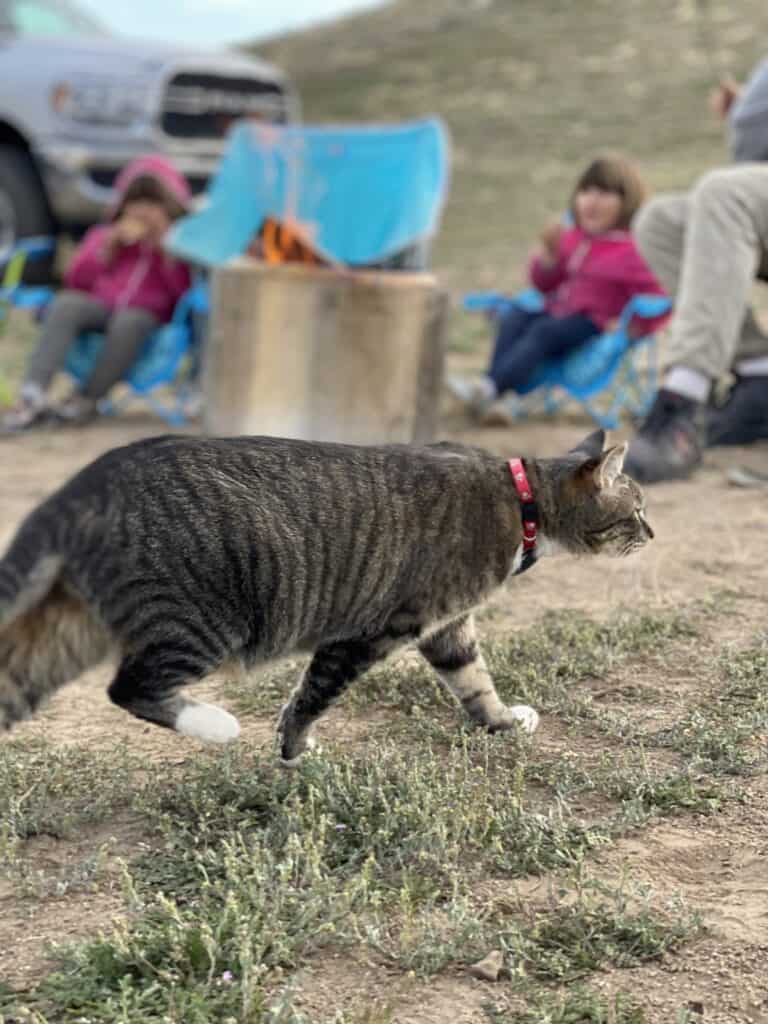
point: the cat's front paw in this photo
(291, 758)
(518, 715)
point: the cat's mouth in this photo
(600, 542)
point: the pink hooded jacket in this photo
(595, 275)
(138, 276)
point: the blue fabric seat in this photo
(13, 292)
(160, 365)
(609, 375)
(164, 355)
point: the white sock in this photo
(687, 382)
(207, 722)
(757, 367)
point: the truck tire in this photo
(24, 210)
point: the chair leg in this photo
(607, 420)
(173, 417)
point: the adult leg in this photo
(706, 248)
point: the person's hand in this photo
(142, 220)
(125, 231)
(128, 230)
(549, 242)
(722, 98)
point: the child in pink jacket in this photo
(586, 272)
(120, 282)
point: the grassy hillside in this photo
(530, 90)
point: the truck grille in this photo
(105, 177)
(203, 106)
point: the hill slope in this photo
(530, 90)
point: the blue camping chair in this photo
(13, 293)
(610, 375)
(360, 195)
(12, 261)
(169, 349)
(160, 365)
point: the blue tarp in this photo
(357, 194)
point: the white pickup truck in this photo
(77, 103)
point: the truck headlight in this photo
(100, 100)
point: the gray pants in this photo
(706, 247)
(71, 313)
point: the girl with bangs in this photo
(587, 271)
(121, 282)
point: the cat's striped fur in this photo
(176, 555)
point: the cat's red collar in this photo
(529, 512)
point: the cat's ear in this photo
(610, 466)
(592, 445)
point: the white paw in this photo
(310, 744)
(526, 716)
(207, 722)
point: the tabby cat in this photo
(177, 555)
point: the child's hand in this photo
(143, 220)
(128, 231)
(550, 241)
(125, 231)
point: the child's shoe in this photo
(477, 394)
(31, 408)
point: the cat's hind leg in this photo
(148, 684)
(453, 652)
(44, 648)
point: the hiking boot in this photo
(667, 445)
(744, 417)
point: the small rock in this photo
(489, 968)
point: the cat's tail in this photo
(48, 635)
(26, 577)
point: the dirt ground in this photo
(710, 538)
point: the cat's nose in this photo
(648, 529)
